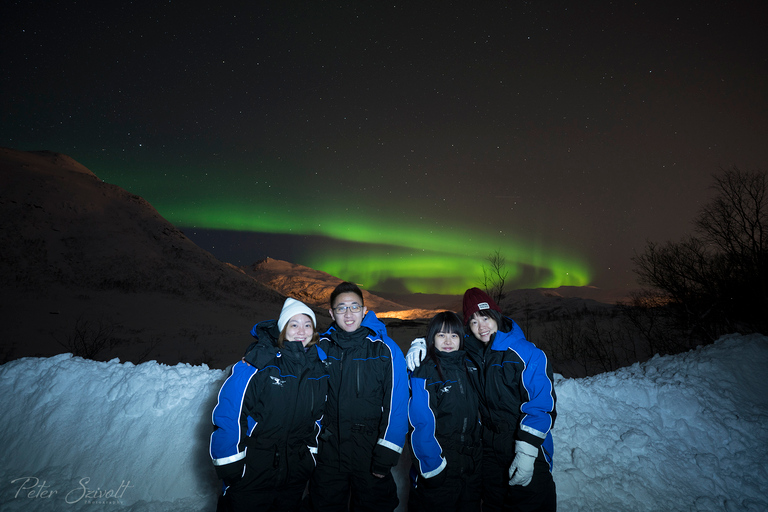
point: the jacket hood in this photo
(507, 335)
(372, 322)
(266, 332)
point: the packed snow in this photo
(685, 433)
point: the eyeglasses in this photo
(354, 308)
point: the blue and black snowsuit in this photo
(446, 437)
(517, 402)
(266, 423)
(365, 421)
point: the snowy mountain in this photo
(314, 287)
(311, 286)
(81, 258)
(684, 432)
(62, 224)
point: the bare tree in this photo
(717, 280)
(736, 222)
(89, 338)
(495, 275)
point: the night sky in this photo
(397, 145)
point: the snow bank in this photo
(87, 435)
(688, 432)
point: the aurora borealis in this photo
(398, 145)
(370, 245)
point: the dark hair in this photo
(489, 313)
(346, 287)
(448, 322)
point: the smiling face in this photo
(447, 341)
(342, 311)
(299, 328)
(483, 327)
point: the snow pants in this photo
(458, 490)
(331, 490)
(274, 481)
(498, 453)
(343, 477)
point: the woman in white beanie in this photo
(266, 420)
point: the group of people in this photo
(316, 422)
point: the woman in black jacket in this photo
(444, 414)
(265, 422)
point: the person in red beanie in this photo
(517, 408)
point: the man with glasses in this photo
(366, 414)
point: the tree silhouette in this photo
(495, 275)
(717, 279)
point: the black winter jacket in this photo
(444, 413)
(365, 419)
(269, 405)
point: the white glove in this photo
(416, 353)
(521, 470)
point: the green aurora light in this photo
(424, 260)
(422, 254)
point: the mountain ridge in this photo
(80, 258)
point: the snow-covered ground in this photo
(684, 433)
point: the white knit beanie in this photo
(291, 308)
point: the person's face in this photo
(342, 312)
(447, 341)
(483, 327)
(299, 328)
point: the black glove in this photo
(436, 481)
(384, 459)
(231, 473)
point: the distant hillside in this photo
(307, 284)
(62, 224)
(79, 257)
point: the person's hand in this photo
(521, 470)
(416, 353)
(436, 481)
